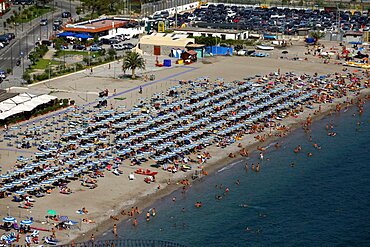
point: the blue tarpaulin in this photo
(219, 50)
(83, 35)
(310, 40)
(76, 35)
(65, 34)
(268, 36)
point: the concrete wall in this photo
(165, 50)
(239, 36)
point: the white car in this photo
(117, 47)
(2, 74)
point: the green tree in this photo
(317, 35)
(133, 61)
(99, 6)
(111, 53)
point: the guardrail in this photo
(125, 243)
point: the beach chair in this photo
(35, 233)
(51, 241)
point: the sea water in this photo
(295, 200)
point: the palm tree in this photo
(317, 35)
(133, 61)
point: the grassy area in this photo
(61, 53)
(44, 63)
(31, 13)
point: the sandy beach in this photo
(115, 193)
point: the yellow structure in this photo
(366, 36)
(161, 27)
(201, 2)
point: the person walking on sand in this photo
(53, 235)
(140, 90)
(92, 237)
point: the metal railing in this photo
(150, 8)
(125, 243)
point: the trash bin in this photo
(167, 63)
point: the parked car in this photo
(128, 46)
(79, 47)
(120, 37)
(43, 22)
(114, 41)
(64, 47)
(117, 47)
(105, 41)
(95, 47)
(66, 14)
(10, 35)
(4, 39)
(2, 74)
(44, 42)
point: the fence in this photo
(151, 8)
(125, 243)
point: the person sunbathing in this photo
(86, 220)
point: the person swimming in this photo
(261, 156)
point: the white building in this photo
(220, 33)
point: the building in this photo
(224, 34)
(107, 26)
(352, 37)
(163, 43)
(4, 6)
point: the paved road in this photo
(27, 36)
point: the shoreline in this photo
(117, 192)
(213, 165)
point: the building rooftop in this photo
(97, 25)
(169, 39)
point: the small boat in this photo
(146, 172)
(264, 47)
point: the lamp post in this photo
(176, 14)
(49, 70)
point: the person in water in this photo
(258, 167)
(148, 216)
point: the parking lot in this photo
(274, 19)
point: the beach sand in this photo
(115, 193)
